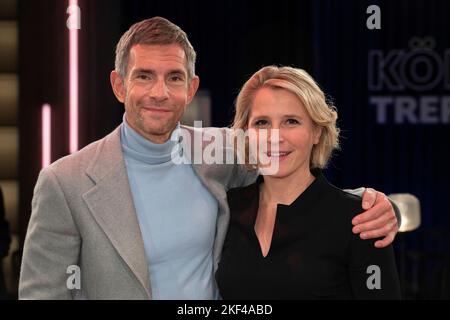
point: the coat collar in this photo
(110, 202)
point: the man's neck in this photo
(158, 139)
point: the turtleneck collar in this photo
(139, 148)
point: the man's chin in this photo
(158, 131)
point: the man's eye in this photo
(176, 78)
(143, 77)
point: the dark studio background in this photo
(233, 39)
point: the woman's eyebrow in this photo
(293, 116)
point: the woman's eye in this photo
(292, 121)
(260, 122)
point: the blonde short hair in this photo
(300, 83)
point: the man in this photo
(119, 219)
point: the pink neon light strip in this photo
(46, 135)
(73, 83)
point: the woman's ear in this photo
(317, 133)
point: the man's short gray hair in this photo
(153, 31)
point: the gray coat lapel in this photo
(111, 203)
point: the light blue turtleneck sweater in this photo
(177, 217)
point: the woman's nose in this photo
(275, 135)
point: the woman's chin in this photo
(273, 171)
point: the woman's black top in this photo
(313, 254)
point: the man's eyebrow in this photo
(177, 71)
(150, 71)
(142, 70)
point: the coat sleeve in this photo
(360, 192)
(240, 175)
(52, 243)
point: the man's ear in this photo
(193, 87)
(117, 84)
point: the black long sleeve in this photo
(313, 254)
(372, 271)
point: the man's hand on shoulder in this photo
(379, 219)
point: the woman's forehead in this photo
(276, 102)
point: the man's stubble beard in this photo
(160, 127)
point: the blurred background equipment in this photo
(9, 138)
(409, 207)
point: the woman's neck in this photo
(285, 190)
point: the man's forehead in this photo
(145, 56)
(169, 51)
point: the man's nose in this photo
(159, 91)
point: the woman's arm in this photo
(372, 271)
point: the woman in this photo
(290, 234)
